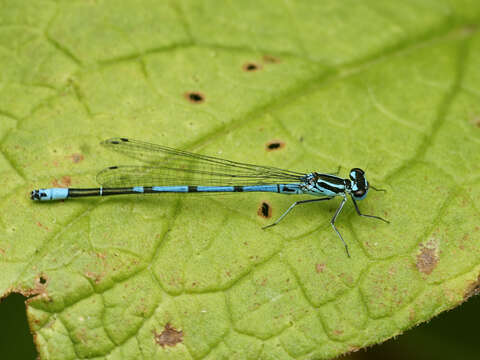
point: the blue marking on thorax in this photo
(170, 188)
(323, 187)
(214, 188)
(53, 194)
(315, 190)
(138, 189)
(353, 185)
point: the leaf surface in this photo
(391, 88)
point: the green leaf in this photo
(386, 86)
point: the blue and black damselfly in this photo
(169, 170)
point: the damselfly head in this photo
(358, 184)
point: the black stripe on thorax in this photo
(192, 189)
(331, 188)
(286, 189)
(331, 179)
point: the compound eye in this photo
(359, 193)
(356, 173)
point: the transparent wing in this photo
(168, 166)
(126, 176)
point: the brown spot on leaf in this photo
(269, 59)
(274, 145)
(195, 97)
(76, 158)
(427, 259)
(40, 225)
(476, 121)
(65, 181)
(469, 29)
(411, 315)
(96, 277)
(250, 66)
(265, 210)
(472, 289)
(169, 336)
(319, 268)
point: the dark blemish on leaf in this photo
(76, 158)
(269, 59)
(249, 67)
(274, 145)
(265, 210)
(195, 97)
(42, 279)
(472, 289)
(427, 259)
(168, 337)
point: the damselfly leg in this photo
(292, 206)
(365, 215)
(332, 222)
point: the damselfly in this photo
(170, 170)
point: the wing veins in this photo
(155, 154)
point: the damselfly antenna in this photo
(376, 189)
